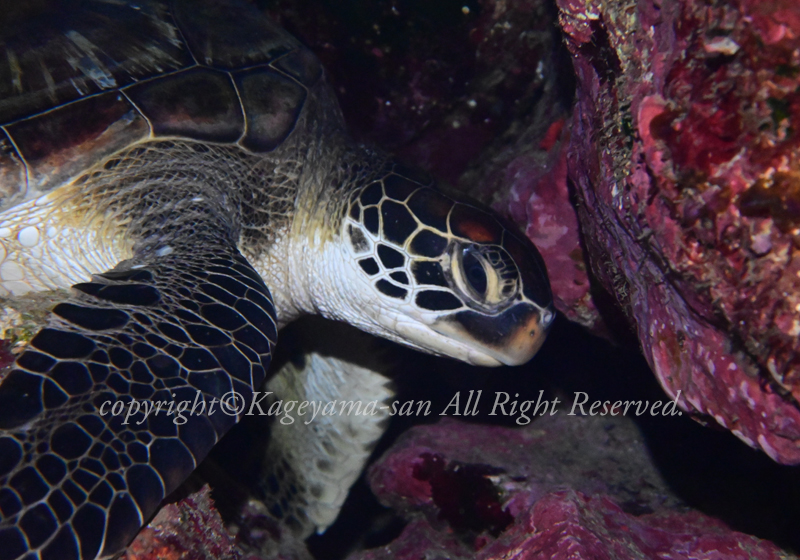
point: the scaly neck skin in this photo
(289, 270)
(307, 274)
(306, 265)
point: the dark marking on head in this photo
(496, 330)
(372, 220)
(428, 244)
(475, 225)
(398, 223)
(431, 208)
(369, 266)
(436, 300)
(358, 240)
(386, 287)
(372, 194)
(428, 272)
(399, 277)
(391, 258)
(399, 188)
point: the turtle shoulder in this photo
(81, 81)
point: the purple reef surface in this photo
(685, 157)
(563, 488)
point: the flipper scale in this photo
(84, 464)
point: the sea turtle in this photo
(193, 151)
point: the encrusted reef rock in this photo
(564, 487)
(685, 159)
(567, 525)
(189, 530)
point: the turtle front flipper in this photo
(127, 388)
(331, 407)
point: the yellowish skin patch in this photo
(52, 242)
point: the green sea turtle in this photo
(193, 151)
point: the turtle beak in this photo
(511, 337)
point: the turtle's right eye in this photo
(485, 276)
(475, 271)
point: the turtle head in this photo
(450, 277)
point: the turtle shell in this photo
(83, 79)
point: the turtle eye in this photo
(474, 271)
(485, 275)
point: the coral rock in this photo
(568, 524)
(685, 156)
(490, 493)
(189, 530)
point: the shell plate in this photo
(81, 80)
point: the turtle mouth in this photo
(510, 338)
(443, 344)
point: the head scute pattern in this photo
(445, 246)
(448, 260)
